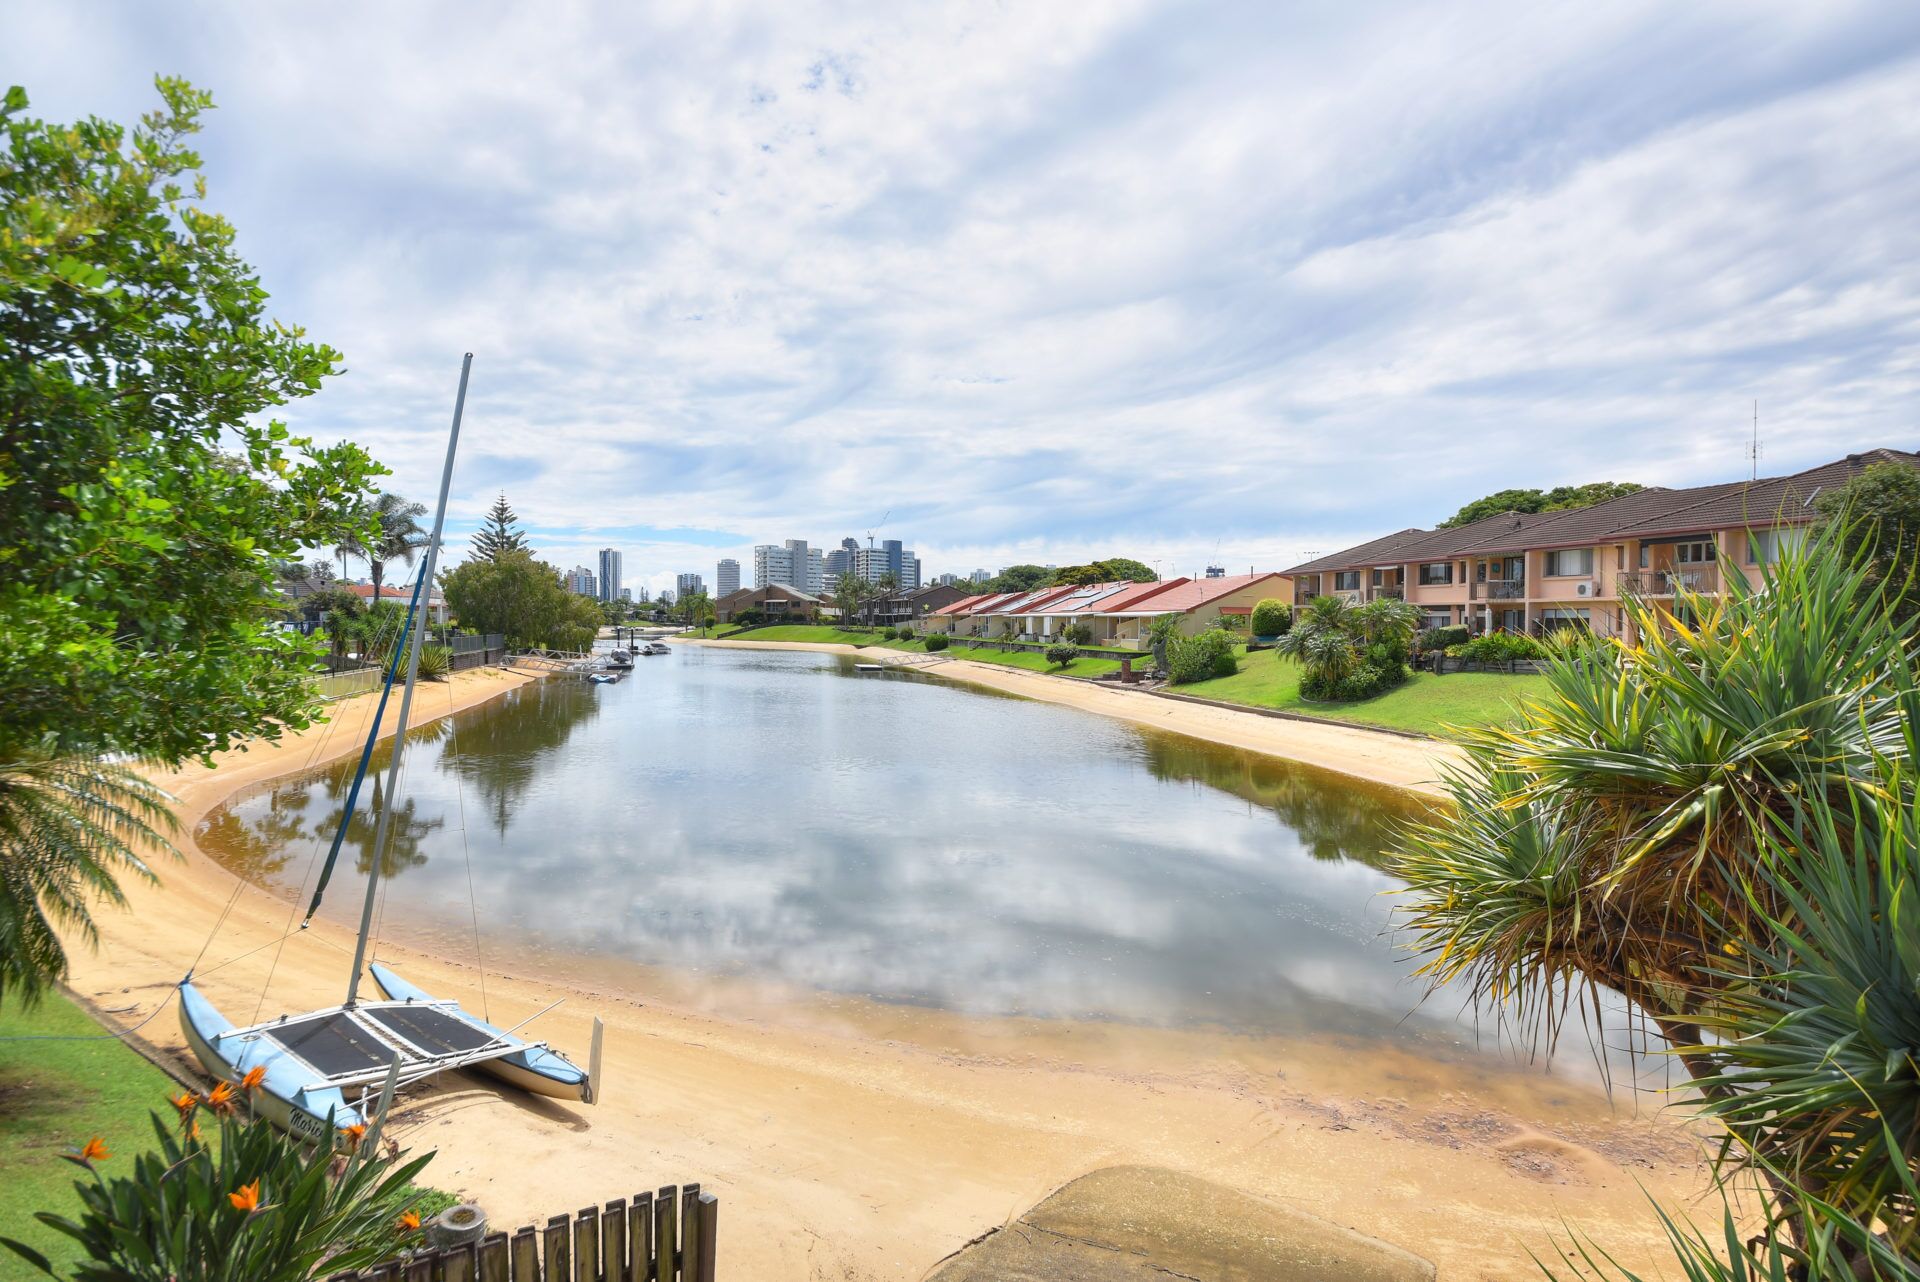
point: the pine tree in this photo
(498, 537)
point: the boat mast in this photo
(414, 637)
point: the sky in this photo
(1190, 283)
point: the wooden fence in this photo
(668, 1236)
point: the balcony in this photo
(1386, 594)
(1499, 590)
(1704, 579)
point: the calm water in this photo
(777, 815)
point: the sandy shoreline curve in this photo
(1375, 756)
(851, 1139)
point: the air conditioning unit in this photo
(1586, 589)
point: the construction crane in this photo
(879, 525)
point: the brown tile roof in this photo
(1190, 595)
(1644, 513)
(1771, 500)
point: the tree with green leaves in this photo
(1875, 516)
(397, 536)
(1719, 823)
(1531, 501)
(499, 534)
(523, 599)
(150, 499)
(1019, 578)
(849, 590)
(1117, 569)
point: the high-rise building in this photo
(609, 575)
(580, 579)
(686, 585)
(945, 580)
(839, 561)
(888, 558)
(726, 576)
(626, 594)
(981, 576)
(792, 563)
(771, 564)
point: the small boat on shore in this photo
(620, 659)
(655, 647)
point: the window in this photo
(1567, 563)
(1436, 572)
(1346, 580)
(1696, 553)
(1437, 617)
(1765, 546)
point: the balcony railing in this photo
(1386, 594)
(1499, 590)
(1693, 578)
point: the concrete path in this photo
(1149, 1223)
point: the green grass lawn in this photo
(1427, 703)
(55, 1096)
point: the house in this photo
(773, 602)
(402, 597)
(911, 606)
(1533, 572)
(1116, 614)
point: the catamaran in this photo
(326, 1068)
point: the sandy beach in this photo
(850, 1139)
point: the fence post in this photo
(663, 1210)
(709, 1235)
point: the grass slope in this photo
(55, 1095)
(1427, 703)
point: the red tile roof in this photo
(1191, 595)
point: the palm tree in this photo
(1324, 639)
(1700, 822)
(848, 591)
(883, 587)
(399, 538)
(68, 825)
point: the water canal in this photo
(777, 816)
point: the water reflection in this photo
(779, 815)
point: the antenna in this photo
(1754, 448)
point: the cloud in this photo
(1051, 282)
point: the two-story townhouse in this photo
(1535, 572)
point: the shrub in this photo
(1351, 652)
(1076, 634)
(248, 1205)
(1202, 657)
(1431, 639)
(1063, 654)
(436, 661)
(1272, 618)
(905, 632)
(1498, 647)
(937, 641)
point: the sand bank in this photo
(849, 1139)
(1375, 756)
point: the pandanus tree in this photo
(1717, 821)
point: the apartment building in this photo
(579, 579)
(686, 585)
(1522, 572)
(726, 576)
(609, 574)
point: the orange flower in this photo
(409, 1221)
(255, 1075)
(94, 1150)
(247, 1199)
(186, 1102)
(220, 1098)
(354, 1134)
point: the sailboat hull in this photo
(535, 1069)
(287, 1096)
